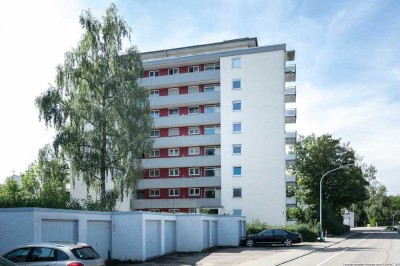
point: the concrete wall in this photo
(132, 233)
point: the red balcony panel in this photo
(146, 74)
(163, 92)
(163, 132)
(184, 131)
(164, 72)
(183, 90)
(163, 112)
(183, 69)
(183, 110)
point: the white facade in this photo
(248, 167)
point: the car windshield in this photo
(85, 253)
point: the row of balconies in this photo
(175, 203)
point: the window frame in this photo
(239, 168)
(173, 131)
(173, 71)
(236, 62)
(212, 66)
(154, 153)
(192, 192)
(236, 146)
(237, 190)
(193, 113)
(173, 114)
(173, 172)
(235, 131)
(154, 112)
(154, 93)
(195, 149)
(236, 104)
(235, 81)
(194, 129)
(154, 193)
(173, 152)
(154, 173)
(194, 171)
(157, 135)
(155, 73)
(192, 68)
(173, 190)
(213, 169)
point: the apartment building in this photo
(220, 114)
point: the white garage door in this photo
(153, 238)
(214, 233)
(170, 236)
(98, 236)
(206, 234)
(59, 230)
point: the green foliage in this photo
(372, 222)
(343, 187)
(97, 108)
(308, 232)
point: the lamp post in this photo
(320, 198)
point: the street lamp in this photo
(320, 198)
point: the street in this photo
(369, 248)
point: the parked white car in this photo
(51, 254)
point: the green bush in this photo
(308, 232)
(372, 222)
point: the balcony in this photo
(290, 137)
(291, 202)
(291, 179)
(175, 203)
(210, 76)
(290, 94)
(209, 181)
(185, 100)
(290, 159)
(188, 161)
(290, 55)
(187, 120)
(185, 141)
(290, 116)
(290, 73)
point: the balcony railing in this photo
(290, 94)
(209, 181)
(290, 73)
(175, 203)
(290, 116)
(185, 99)
(188, 161)
(290, 159)
(290, 137)
(210, 76)
(187, 120)
(184, 141)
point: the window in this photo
(209, 171)
(208, 109)
(237, 171)
(154, 210)
(236, 84)
(192, 211)
(154, 73)
(174, 192)
(154, 133)
(154, 93)
(173, 71)
(209, 151)
(209, 130)
(213, 66)
(173, 91)
(154, 173)
(237, 127)
(155, 113)
(173, 111)
(193, 89)
(211, 88)
(193, 110)
(194, 171)
(237, 192)
(173, 152)
(194, 150)
(237, 148)
(194, 191)
(194, 130)
(173, 131)
(193, 69)
(173, 172)
(237, 105)
(154, 192)
(209, 193)
(154, 153)
(173, 210)
(236, 62)
(237, 212)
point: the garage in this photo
(59, 230)
(99, 241)
(170, 237)
(214, 233)
(153, 238)
(206, 234)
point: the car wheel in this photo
(249, 242)
(287, 242)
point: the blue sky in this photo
(348, 71)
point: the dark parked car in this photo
(51, 254)
(272, 236)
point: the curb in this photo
(318, 249)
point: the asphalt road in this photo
(369, 248)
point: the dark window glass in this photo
(86, 253)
